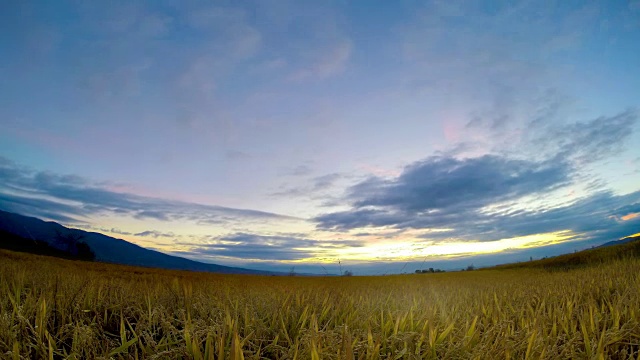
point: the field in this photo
(56, 308)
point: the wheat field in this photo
(52, 308)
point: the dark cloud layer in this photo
(252, 246)
(441, 189)
(444, 192)
(445, 184)
(70, 198)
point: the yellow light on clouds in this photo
(413, 249)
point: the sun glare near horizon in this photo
(417, 250)
(310, 131)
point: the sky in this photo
(373, 136)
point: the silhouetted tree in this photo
(84, 251)
(72, 243)
(68, 241)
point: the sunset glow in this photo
(265, 134)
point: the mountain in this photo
(621, 241)
(106, 248)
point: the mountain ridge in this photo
(109, 249)
(621, 241)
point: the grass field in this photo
(55, 308)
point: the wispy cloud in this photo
(318, 187)
(155, 234)
(590, 141)
(300, 170)
(116, 231)
(237, 155)
(502, 80)
(330, 61)
(68, 198)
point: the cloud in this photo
(494, 197)
(586, 142)
(494, 75)
(300, 170)
(155, 234)
(360, 218)
(309, 40)
(319, 187)
(100, 229)
(597, 217)
(446, 184)
(72, 198)
(251, 246)
(125, 20)
(115, 65)
(41, 208)
(331, 61)
(237, 155)
(630, 216)
(326, 181)
(118, 231)
(236, 36)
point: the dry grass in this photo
(54, 308)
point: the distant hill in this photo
(15, 227)
(621, 241)
(611, 251)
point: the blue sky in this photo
(273, 134)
